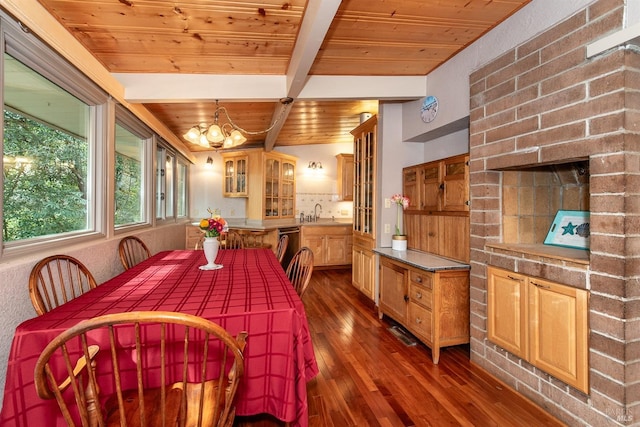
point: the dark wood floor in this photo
(370, 378)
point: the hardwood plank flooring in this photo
(370, 378)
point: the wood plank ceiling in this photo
(296, 40)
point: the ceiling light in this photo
(226, 135)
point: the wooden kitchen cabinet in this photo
(364, 205)
(363, 266)
(543, 322)
(272, 182)
(235, 169)
(192, 236)
(437, 219)
(331, 244)
(345, 172)
(433, 305)
(438, 186)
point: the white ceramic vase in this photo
(210, 247)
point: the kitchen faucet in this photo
(315, 212)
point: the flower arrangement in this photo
(402, 202)
(212, 227)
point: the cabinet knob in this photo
(441, 186)
(419, 279)
(406, 298)
(418, 320)
(418, 295)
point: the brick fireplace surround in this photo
(545, 103)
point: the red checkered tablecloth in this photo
(250, 293)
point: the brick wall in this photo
(543, 103)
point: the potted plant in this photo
(399, 239)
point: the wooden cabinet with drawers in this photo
(542, 322)
(433, 305)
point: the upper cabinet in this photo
(235, 168)
(345, 177)
(364, 185)
(271, 177)
(441, 185)
(437, 219)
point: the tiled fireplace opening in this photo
(532, 196)
(551, 129)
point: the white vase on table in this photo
(210, 247)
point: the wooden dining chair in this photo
(281, 249)
(132, 251)
(57, 279)
(231, 240)
(300, 269)
(151, 368)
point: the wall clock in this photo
(429, 109)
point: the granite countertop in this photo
(244, 223)
(422, 260)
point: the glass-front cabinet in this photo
(364, 177)
(364, 209)
(279, 187)
(235, 175)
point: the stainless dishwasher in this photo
(294, 243)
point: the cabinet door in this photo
(410, 187)
(506, 311)
(364, 177)
(431, 186)
(559, 331)
(453, 238)
(345, 177)
(429, 235)
(455, 196)
(316, 244)
(235, 176)
(272, 188)
(412, 229)
(393, 290)
(336, 250)
(288, 192)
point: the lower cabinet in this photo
(363, 266)
(542, 322)
(193, 234)
(433, 305)
(331, 244)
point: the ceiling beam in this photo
(316, 22)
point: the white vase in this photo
(399, 242)
(210, 247)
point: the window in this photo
(129, 178)
(181, 190)
(50, 114)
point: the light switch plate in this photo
(387, 203)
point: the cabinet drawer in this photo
(420, 321)
(421, 278)
(421, 295)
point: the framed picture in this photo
(569, 229)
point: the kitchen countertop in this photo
(243, 223)
(422, 260)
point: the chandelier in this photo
(227, 135)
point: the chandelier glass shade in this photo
(227, 135)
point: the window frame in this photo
(23, 46)
(125, 119)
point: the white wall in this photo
(393, 155)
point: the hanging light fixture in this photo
(227, 135)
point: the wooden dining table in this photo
(251, 292)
